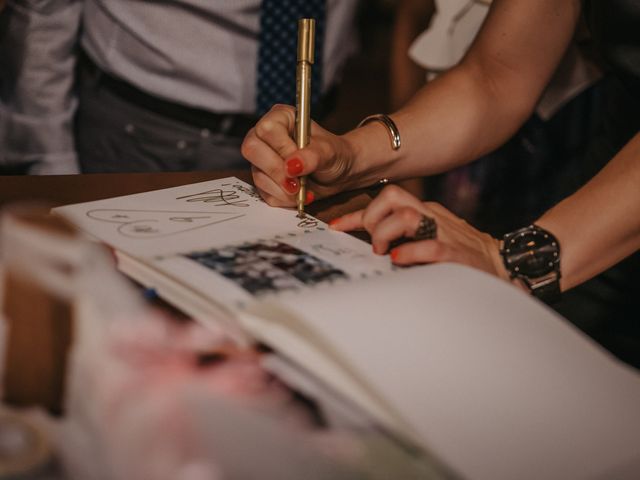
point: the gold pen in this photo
(306, 52)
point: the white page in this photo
(490, 380)
(184, 218)
(187, 233)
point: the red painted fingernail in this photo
(334, 222)
(309, 198)
(294, 167)
(394, 255)
(291, 185)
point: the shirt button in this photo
(129, 128)
(181, 144)
(205, 133)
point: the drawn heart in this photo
(158, 223)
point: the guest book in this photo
(444, 358)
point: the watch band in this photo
(549, 293)
(546, 289)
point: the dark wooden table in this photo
(66, 189)
(59, 190)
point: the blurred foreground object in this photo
(24, 449)
(39, 330)
(140, 394)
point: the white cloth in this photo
(454, 29)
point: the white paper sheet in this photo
(491, 381)
(186, 218)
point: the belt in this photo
(232, 124)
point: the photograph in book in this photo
(263, 267)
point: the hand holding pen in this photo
(286, 147)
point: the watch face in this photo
(532, 253)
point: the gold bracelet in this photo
(394, 133)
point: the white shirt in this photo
(196, 52)
(201, 53)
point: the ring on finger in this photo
(427, 229)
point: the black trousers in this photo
(114, 134)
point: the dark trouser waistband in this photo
(232, 124)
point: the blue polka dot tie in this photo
(277, 53)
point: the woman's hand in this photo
(277, 162)
(396, 213)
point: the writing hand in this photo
(277, 163)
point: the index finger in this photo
(350, 221)
(276, 130)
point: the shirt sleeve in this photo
(38, 42)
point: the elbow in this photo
(506, 91)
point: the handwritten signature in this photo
(218, 197)
(307, 223)
(249, 191)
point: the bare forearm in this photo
(478, 105)
(600, 224)
(450, 122)
(455, 120)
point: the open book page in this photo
(484, 377)
(185, 218)
(475, 371)
(221, 241)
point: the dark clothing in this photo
(114, 133)
(120, 128)
(615, 29)
(548, 161)
(614, 26)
